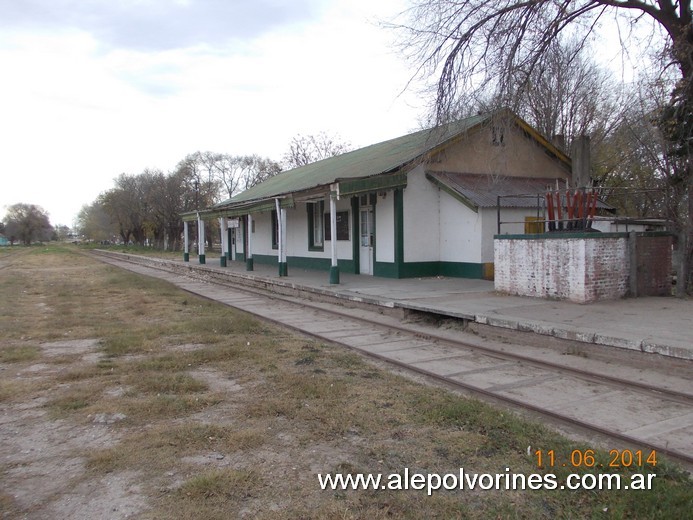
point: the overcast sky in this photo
(95, 88)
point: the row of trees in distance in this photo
(145, 208)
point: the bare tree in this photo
(27, 223)
(311, 148)
(257, 169)
(472, 46)
(569, 95)
(203, 186)
(240, 172)
(219, 176)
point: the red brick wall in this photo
(582, 268)
(654, 265)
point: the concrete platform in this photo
(655, 325)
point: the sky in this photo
(95, 88)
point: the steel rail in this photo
(489, 394)
(686, 398)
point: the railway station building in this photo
(424, 204)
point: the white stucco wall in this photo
(239, 238)
(421, 218)
(344, 249)
(261, 242)
(384, 228)
(297, 234)
(460, 235)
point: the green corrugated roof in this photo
(376, 159)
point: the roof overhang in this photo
(344, 188)
(237, 210)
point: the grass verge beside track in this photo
(199, 411)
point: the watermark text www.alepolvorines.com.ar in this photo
(462, 480)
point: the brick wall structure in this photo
(583, 267)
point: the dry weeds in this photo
(122, 396)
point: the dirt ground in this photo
(45, 456)
(124, 397)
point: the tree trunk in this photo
(684, 282)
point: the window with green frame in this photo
(316, 229)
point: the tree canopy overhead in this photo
(467, 44)
(476, 48)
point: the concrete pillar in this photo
(334, 267)
(186, 242)
(224, 229)
(281, 224)
(201, 240)
(248, 240)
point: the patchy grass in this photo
(19, 354)
(224, 416)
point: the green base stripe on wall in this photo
(428, 269)
(385, 269)
(303, 262)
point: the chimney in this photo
(581, 161)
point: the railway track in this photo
(641, 409)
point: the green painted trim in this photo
(311, 222)
(186, 257)
(420, 269)
(371, 184)
(201, 259)
(398, 200)
(429, 269)
(240, 257)
(283, 269)
(462, 270)
(334, 274)
(190, 216)
(249, 264)
(356, 235)
(385, 269)
(222, 261)
(303, 262)
(560, 235)
(259, 206)
(244, 225)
